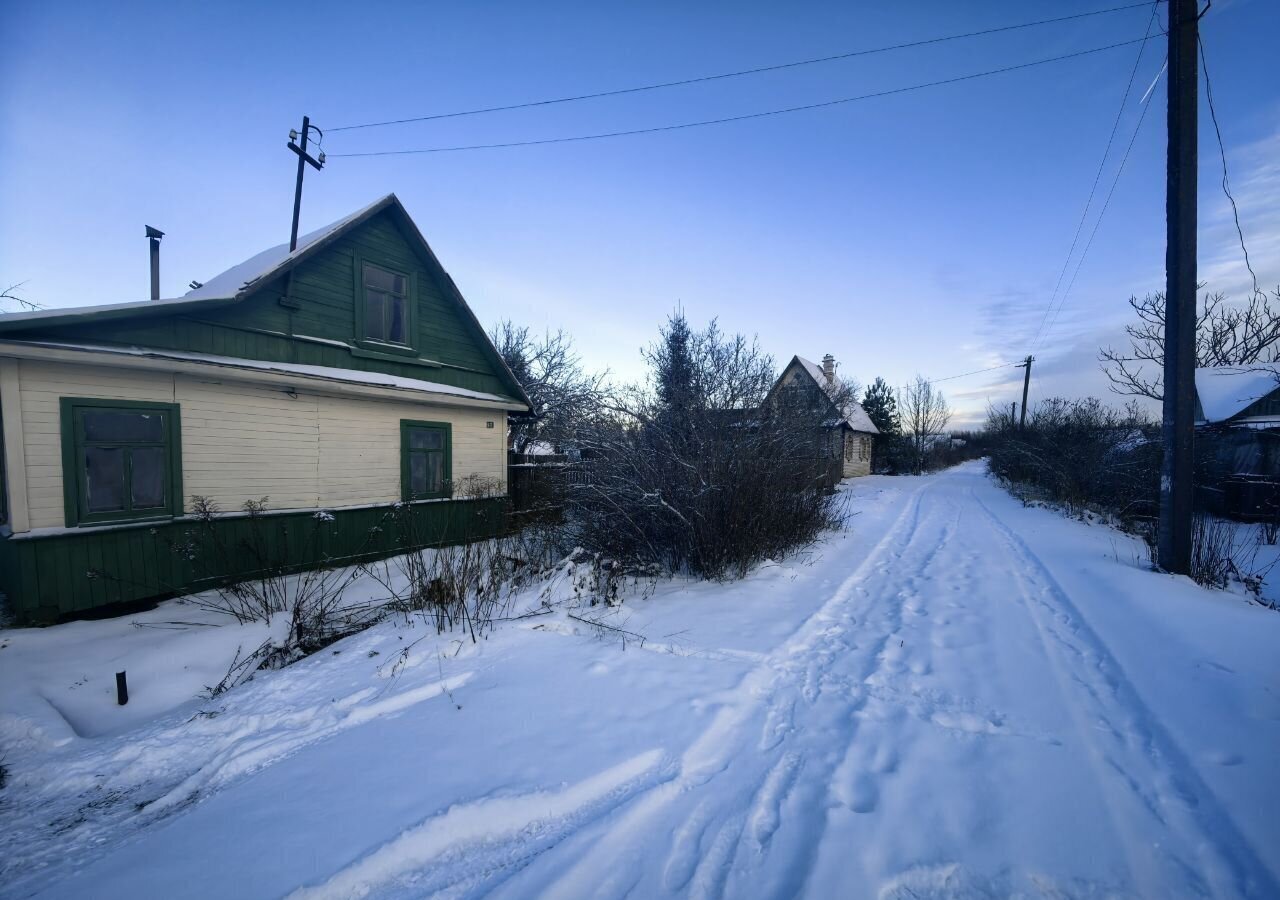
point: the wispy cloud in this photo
(1255, 183)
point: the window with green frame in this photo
(384, 307)
(121, 460)
(426, 459)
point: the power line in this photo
(722, 75)
(1097, 222)
(745, 116)
(974, 372)
(1226, 186)
(1106, 153)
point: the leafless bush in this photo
(241, 669)
(695, 473)
(465, 586)
(712, 498)
(1081, 454)
(288, 575)
(1213, 551)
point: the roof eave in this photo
(76, 315)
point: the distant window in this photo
(848, 449)
(386, 305)
(864, 448)
(120, 460)
(426, 459)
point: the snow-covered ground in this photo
(958, 697)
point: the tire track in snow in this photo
(1140, 753)
(809, 690)
(470, 844)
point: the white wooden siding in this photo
(243, 441)
(857, 457)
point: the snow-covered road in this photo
(961, 697)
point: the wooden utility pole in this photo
(304, 159)
(1178, 432)
(1026, 385)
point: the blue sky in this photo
(922, 232)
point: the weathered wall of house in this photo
(857, 454)
(243, 441)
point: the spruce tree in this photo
(881, 406)
(673, 365)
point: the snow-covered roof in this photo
(262, 265)
(234, 284)
(852, 413)
(328, 373)
(1226, 391)
(225, 286)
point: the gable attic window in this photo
(121, 461)
(385, 308)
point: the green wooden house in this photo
(347, 381)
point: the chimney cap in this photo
(829, 368)
(154, 233)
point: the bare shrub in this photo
(1213, 551)
(288, 575)
(695, 473)
(1081, 454)
(468, 585)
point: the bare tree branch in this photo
(1227, 334)
(10, 296)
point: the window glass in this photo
(386, 305)
(426, 439)
(435, 473)
(146, 470)
(123, 460)
(104, 478)
(418, 473)
(426, 449)
(374, 306)
(383, 280)
(113, 425)
(395, 319)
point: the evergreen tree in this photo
(882, 407)
(673, 366)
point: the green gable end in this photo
(311, 314)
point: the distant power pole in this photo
(304, 159)
(1026, 384)
(1178, 432)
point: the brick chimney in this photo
(829, 368)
